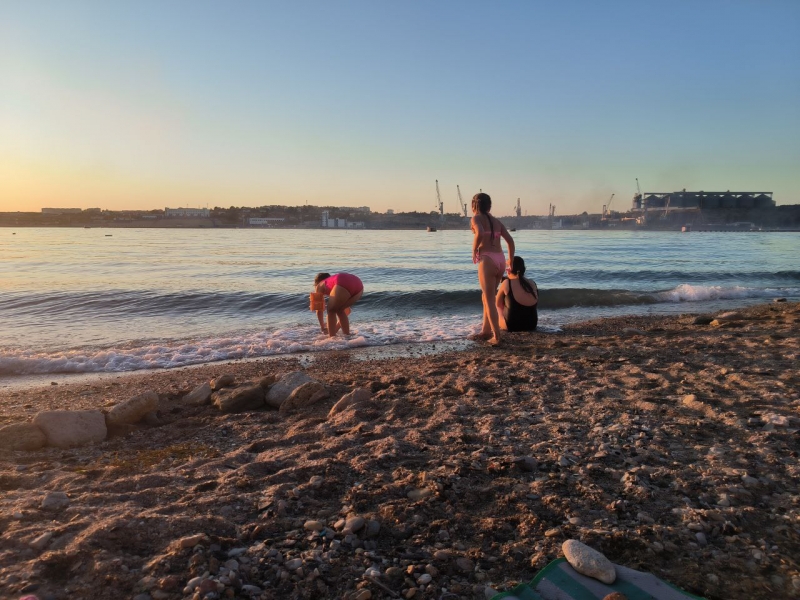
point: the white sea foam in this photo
(702, 293)
(246, 345)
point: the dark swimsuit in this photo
(518, 316)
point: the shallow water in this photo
(77, 300)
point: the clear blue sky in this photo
(188, 103)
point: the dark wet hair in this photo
(518, 269)
(321, 277)
(482, 203)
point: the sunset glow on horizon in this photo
(148, 105)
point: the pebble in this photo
(354, 524)
(313, 525)
(251, 589)
(552, 532)
(294, 563)
(55, 501)
(316, 482)
(363, 595)
(419, 494)
(588, 561)
(465, 565)
(41, 542)
(191, 541)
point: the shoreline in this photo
(669, 445)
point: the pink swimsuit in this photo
(497, 257)
(349, 282)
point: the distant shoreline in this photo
(176, 225)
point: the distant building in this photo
(187, 212)
(389, 211)
(61, 211)
(325, 218)
(264, 221)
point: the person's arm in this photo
(500, 299)
(320, 289)
(510, 241)
(476, 238)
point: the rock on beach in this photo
(284, 387)
(588, 561)
(22, 436)
(71, 428)
(133, 410)
(231, 400)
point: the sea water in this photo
(76, 300)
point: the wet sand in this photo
(670, 446)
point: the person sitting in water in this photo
(517, 300)
(343, 290)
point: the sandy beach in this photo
(668, 443)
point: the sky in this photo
(189, 103)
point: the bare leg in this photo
(340, 300)
(487, 275)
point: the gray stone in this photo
(284, 387)
(40, 543)
(199, 395)
(71, 428)
(133, 410)
(306, 395)
(55, 501)
(357, 396)
(702, 320)
(588, 561)
(230, 400)
(22, 436)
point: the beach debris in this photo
(239, 399)
(133, 410)
(22, 436)
(199, 395)
(222, 381)
(615, 596)
(303, 396)
(71, 428)
(357, 396)
(283, 388)
(588, 561)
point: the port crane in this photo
(439, 201)
(607, 209)
(461, 203)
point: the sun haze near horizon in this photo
(149, 104)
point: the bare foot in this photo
(494, 341)
(479, 336)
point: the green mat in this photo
(559, 581)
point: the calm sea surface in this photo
(100, 300)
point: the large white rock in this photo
(21, 436)
(588, 561)
(133, 410)
(70, 428)
(283, 388)
(305, 395)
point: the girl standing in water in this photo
(487, 253)
(343, 290)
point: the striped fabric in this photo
(559, 581)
